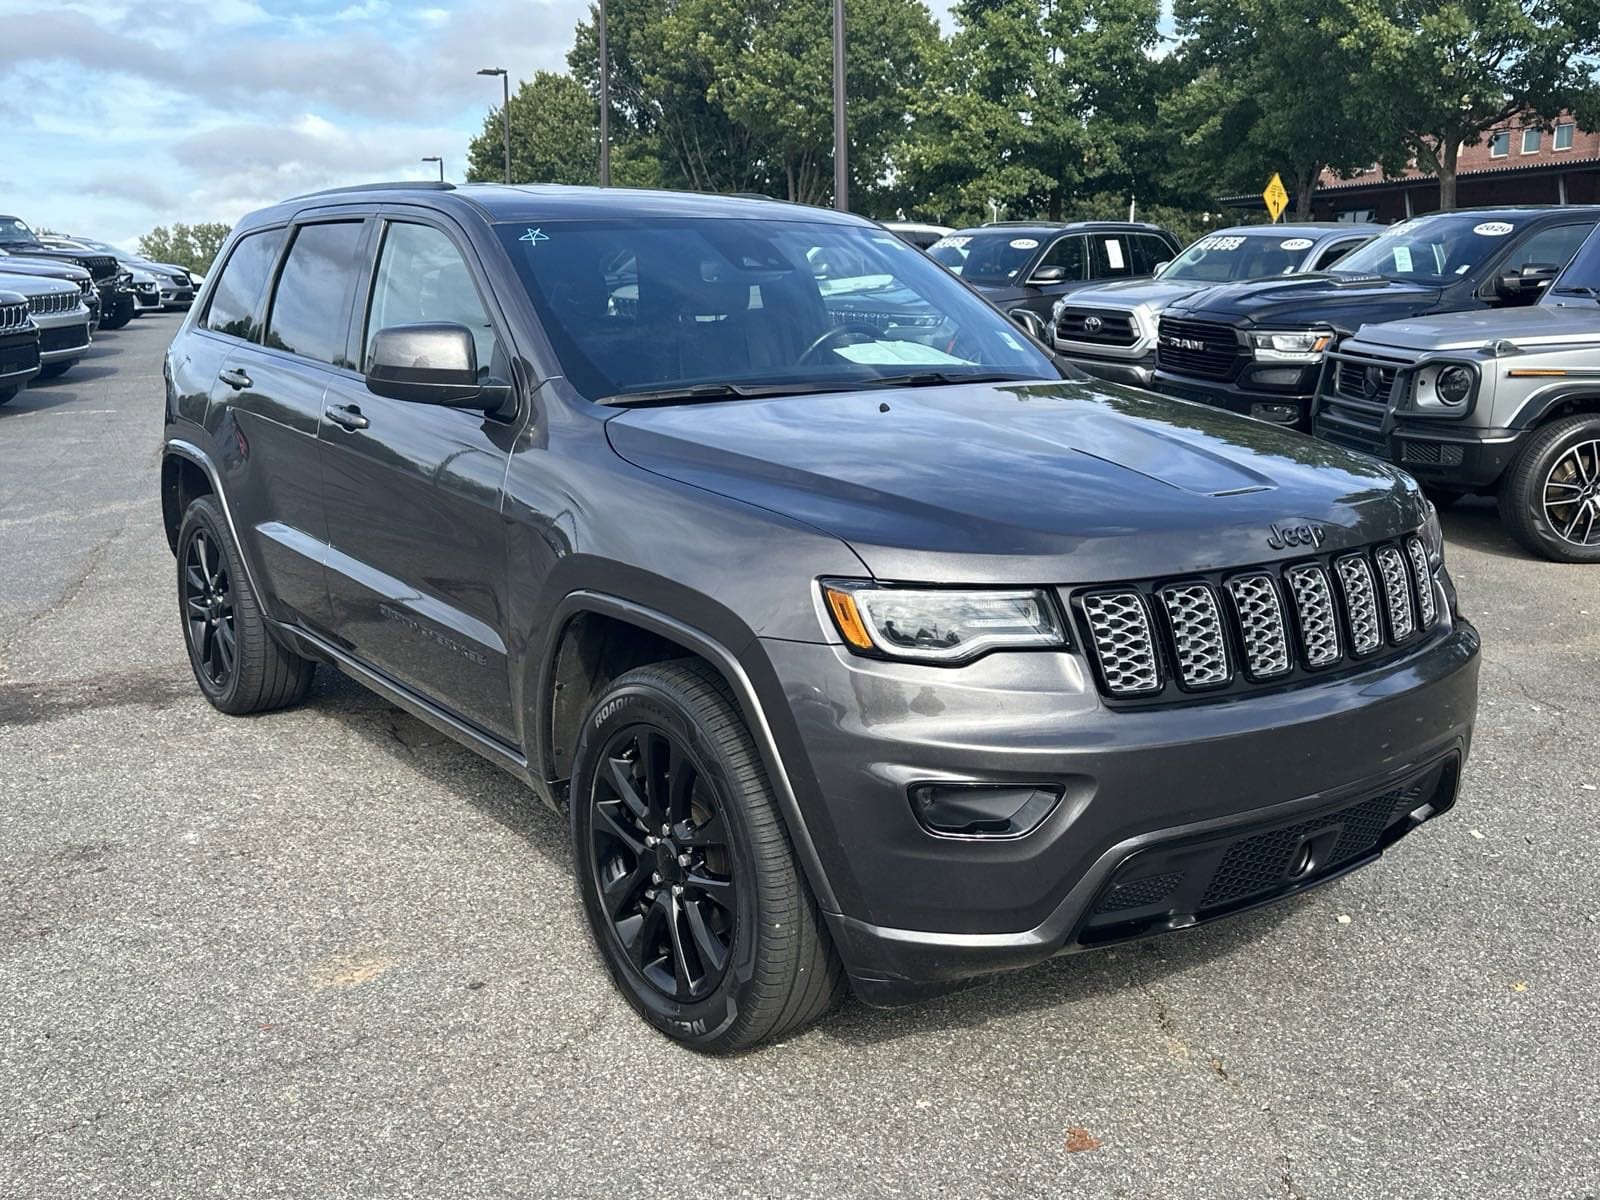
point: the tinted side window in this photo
(233, 302)
(310, 313)
(1335, 252)
(1110, 256)
(1149, 250)
(1549, 247)
(1066, 253)
(422, 277)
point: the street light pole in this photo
(841, 168)
(605, 103)
(434, 158)
(505, 110)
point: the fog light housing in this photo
(1278, 414)
(1276, 377)
(979, 810)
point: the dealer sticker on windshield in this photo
(1024, 244)
(945, 242)
(1295, 244)
(1219, 243)
(1492, 229)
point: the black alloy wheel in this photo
(661, 862)
(206, 593)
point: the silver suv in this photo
(1503, 401)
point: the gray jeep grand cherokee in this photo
(891, 655)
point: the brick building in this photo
(1516, 164)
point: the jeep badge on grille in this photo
(1281, 537)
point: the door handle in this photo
(234, 378)
(345, 416)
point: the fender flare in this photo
(1538, 405)
(738, 679)
(188, 450)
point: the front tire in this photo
(8, 393)
(57, 369)
(239, 665)
(1550, 498)
(685, 868)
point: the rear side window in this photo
(1335, 252)
(244, 277)
(1148, 251)
(1067, 253)
(1549, 247)
(423, 278)
(1110, 256)
(311, 307)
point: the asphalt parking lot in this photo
(329, 953)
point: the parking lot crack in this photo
(69, 593)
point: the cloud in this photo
(131, 187)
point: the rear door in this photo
(417, 547)
(264, 428)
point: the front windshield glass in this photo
(991, 257)
(643, 306)
(1580, 282)
(1230, 257)
(15, 232)
(1432, 250)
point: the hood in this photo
(1568, 328)
(1059, 482)
(1002, 293)
(35, 285)
(1294, 301)
(13, 265)
(1134, 293)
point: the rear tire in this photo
(685, 868)
(240, 667)
(1550, 498)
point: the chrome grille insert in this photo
(1360, 602)
(1396, 593)
(1422, 576)
(1313, 603)
(1260, 612)
(1123, 642)
(1197, 634)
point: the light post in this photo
(505, 110)
(605, 103)
(434, 158)
(841, 170)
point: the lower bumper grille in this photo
(1189, 880)
(16, 359)
(74, 337)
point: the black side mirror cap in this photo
(1045, 275)
(1528, 281)
(427, 363)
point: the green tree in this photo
(1439, 74)
(193, 247)
(1270, 91)
(1033, 105)
(555, 138)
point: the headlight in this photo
(1432, 534)
(935, 625)
(1444, 390)
(1301, 347)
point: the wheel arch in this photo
(1567, 399)
(597, 637)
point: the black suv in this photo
(1024, 267)
(1257, 348)
(19, 345)
(895, 656)
(112, 280)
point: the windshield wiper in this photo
(712, 391)
(938, 378)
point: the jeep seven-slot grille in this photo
(1231, 630)
(53, 302)
(1096, 326)
(1208, 349)
(13, 317)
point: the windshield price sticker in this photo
(1492, 229)
(945, 243)
(1220, 243)
(1402, 259)
(1295, 244)
(1024, 244)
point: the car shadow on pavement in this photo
(80, 374)
(1475, 523)
(39, 398)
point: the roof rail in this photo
(397, 185)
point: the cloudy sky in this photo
(117, 116)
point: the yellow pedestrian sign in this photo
(1277, 199)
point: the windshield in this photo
(642, 306)
(994, 257)
(1433, 249)
(1230, 257)
(15, 232)
(1580, 282)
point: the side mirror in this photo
(1046, 275)
(1030, 324)
(1527, 282)
(1162, 266)
(429, 363)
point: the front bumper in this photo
(176, 297)
(1287, 402)
(19, 358)
(1138, 373)
(147, 298)
(1444, 454)
(63, 336)
(1184, 782)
